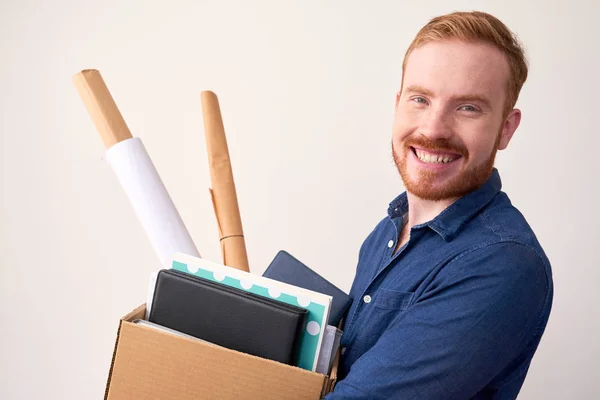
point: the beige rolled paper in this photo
(135, 171)
(223, 194)
(101, 106)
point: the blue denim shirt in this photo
(456, 313)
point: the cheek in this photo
(480, 143)
(404, 124)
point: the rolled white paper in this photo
(150, 200)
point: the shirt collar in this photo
(449, 222)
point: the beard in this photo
(465, 182)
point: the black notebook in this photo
(227, 316)
(286, 268)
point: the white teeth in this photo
(429, 158)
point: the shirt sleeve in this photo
(475, 317)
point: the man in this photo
(452, 290)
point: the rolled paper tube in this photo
(102, 108)
(135, 171)
(223, 194)
(150, 200)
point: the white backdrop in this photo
(307, 94)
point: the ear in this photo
(511, 123)
(397, 99)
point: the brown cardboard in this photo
(150, 364)
(101, 106)
(223, 194)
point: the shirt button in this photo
(390, 244)
(343, 350)
(367, 299)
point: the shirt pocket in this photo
(393, 299)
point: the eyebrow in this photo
(418, 89)
(475, 98)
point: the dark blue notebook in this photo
(287, 269)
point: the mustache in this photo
(441, 145)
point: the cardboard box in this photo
(151, 364)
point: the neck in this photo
(421, 211)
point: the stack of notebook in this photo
(266, 316)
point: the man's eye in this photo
(419, 99)
(469, 108)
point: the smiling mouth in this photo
(434, 158)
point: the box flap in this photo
(138, 313)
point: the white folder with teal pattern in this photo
(317, 304)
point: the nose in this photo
(435, 124)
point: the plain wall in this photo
(307, 95)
